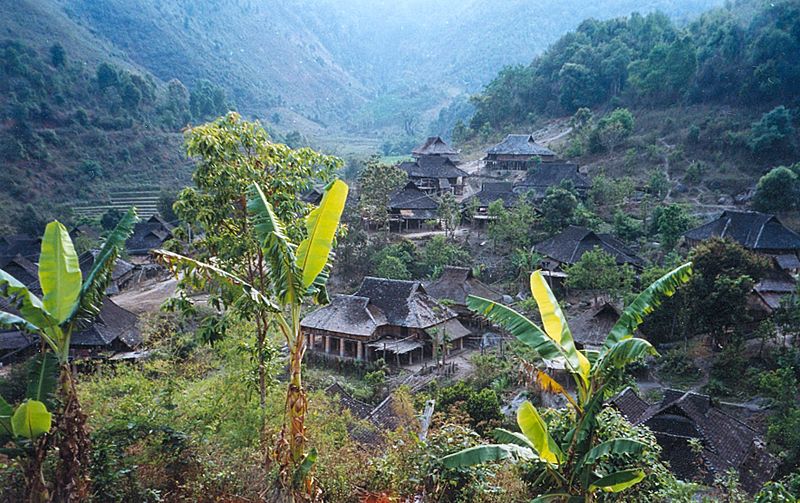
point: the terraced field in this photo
(145, 201)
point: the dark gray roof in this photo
(149, 235)
(405, 303)
(456, 283)
(549, 174)
(411, 198)
(751, 229)
(358, 408)
(432, 166)
(570, 245)
(728, 443)
(121, 267)
(434, 145)
(113, 324)
(492, 191)
(20, 244)
(591, 327)
(349, 314)
(520, 144)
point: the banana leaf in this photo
(59, 273)
(321, 224)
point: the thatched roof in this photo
(728, 443)
(411, 198)
(405, 303)
(493, 191)
(20, 244)
(349, 314)
(456, 283)
(520, 144)
(751, 229)
(549, 174)
(380, 302)
(590, 328)
(149, 235)
(434, 146)
(432, 166)
(570, 245)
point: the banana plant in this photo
(68, 299)
(296, 273)
(571, 463)
(23, 428)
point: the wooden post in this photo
(327, 344)
(341, 347)
(359, 350)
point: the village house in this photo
(760, 232)
(517, 152)
(683, 417)
(149, 235)
(121, 276)
(435, 146)
(489, 193)
(591, 327)
(435, 174)
(114, 329)
(770, 291)
(542, 176)
(455, 285)
(410, 208)
(568, 247)
(22, 245)
(391, 319)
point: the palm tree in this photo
(68, 299)
(570, 465)
(295, 273)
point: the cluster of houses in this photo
(435, 171)
(114, 332)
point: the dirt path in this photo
(147, 298)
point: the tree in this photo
(778, 190)
(613, 128)
(392, 267)
(107, 75)
(111, 218)
(597, 271)
(571, 463)
(558, 207)
(58, 56)
(294, 273)
(773, 135)
(69, 299)
(439, 253)
(376, 184)
(207, 100)
(670, 222)
(449, 213)
(166, 201)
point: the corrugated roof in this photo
(520, 144)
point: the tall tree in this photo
(449, 213)
(376, 184)
(294, 273)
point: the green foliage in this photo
(515, 227)
(774, 133)
(721, 57)
(58, 56)
(439, 253)
(392, 267)
(376, 183)
(207, 100)
(670, 222)
(559, 207)
(597, 271)
(449, 212)
(778, 190)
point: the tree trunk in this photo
(72, 482)
(36, 489)
(295, 438)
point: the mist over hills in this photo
(356, 65)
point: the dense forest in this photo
(743, 54)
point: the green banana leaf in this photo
(646, 302)
(484, 453)
(59, 273)
(618, 481)
(31, 420)
(321, 223)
